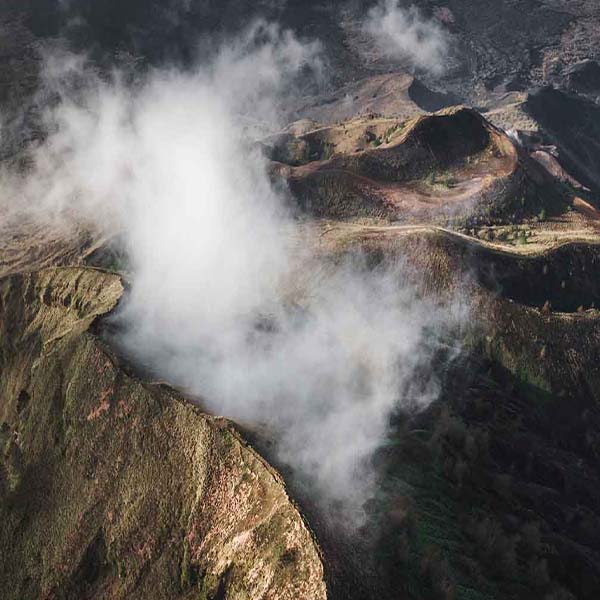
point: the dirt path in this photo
(546, 237)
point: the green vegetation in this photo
(106, 482)
(443, 179)
(328, 151)
(393, 132)
(462, 529)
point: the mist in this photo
(227, 300)
(401, 33)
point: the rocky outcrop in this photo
(572, 124)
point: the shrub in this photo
(538, 573)
(435, 570)
(531, 539)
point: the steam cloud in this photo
(402, 33)
(222, 303)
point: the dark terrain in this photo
(112, 486)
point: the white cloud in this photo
(208, 237)
(404, 34)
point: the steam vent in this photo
(300, 300)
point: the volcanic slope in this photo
(493, 491)
(110, 487)
(450, 166)
(116, 487)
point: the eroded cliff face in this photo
(111, 488)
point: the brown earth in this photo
(449, 166)
(512, 448)
(112, 488)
